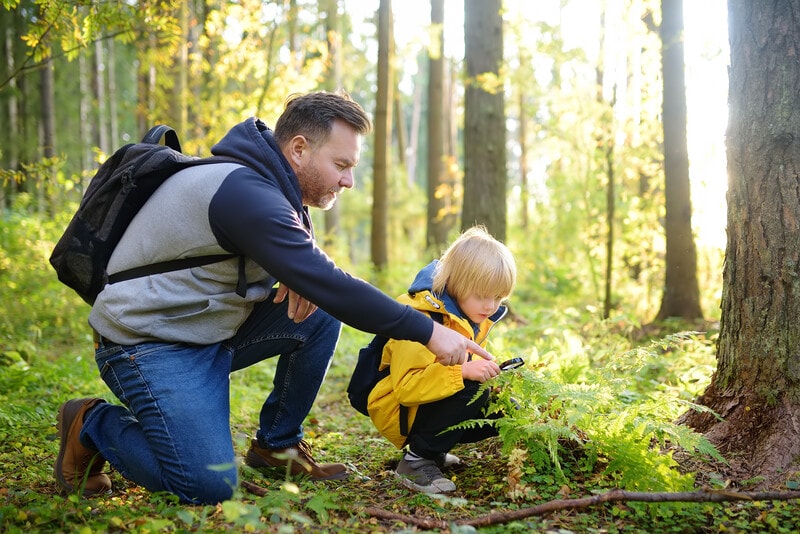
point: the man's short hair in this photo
(312, 115)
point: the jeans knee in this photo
(329, 325)
(210, 487)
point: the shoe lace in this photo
(305, 451)
(431, 471)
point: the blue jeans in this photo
(173, 432)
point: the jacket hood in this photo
(423, 282)
(251, 142)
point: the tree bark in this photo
(756, 387)
(333, 79)
(681, 292)
(48, 132)
(484, 119)
(383, 138)
(436, 217)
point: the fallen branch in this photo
(254, 488)
(585, 502)
(703, 495)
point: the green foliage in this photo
(602, 423)
(36, 310)
(596, 411)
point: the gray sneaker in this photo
(423, 475)
(446, 459)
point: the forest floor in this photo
(370, 500)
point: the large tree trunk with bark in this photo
(756, 387)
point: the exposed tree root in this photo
(571, 504)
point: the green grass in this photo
(31, 391)
(597, 403)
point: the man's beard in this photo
(314, 192)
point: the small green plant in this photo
(600, 426)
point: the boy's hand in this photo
(479, 370)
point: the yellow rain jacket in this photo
(415, 376)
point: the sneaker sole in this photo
(430, 488)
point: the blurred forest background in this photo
(569, 169)
(589, 135)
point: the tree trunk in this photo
(11, 141)
(756, 387)
(383, 138)
(605, 161)
(436, 218)
(48, 139)
(484, 119)
(113, 98)
(413, 136)
(333, 80)
(100, 98)
(181, 66)
(681, 291)
(524, 197)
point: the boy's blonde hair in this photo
(475, 264)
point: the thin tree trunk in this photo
(383, 138)
(48, 117)
(523, 161)
(484, 118)
(10, 146)
(113, 114)
(333, 80)
(101, 98)
(681, 291)
(436, 219)
(411, 156)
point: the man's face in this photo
(325, 170)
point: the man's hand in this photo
(299, 308)
(451, 348)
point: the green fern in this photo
(619, 424)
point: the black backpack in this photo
(367, 373)
(117, 191)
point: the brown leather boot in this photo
(77, 466)
(297, 457)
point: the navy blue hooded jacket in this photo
(255, 210)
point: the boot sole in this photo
(256, 461)
(66, 416)
(68, 413)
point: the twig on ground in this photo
(585, 502)
(254, 488)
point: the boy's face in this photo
(478, 309)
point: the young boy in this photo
(420, 399)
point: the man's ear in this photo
(298, 149)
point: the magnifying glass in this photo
(513, 363)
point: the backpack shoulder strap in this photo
(169, 134)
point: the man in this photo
(166, 343)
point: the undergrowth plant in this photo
(605, 426)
